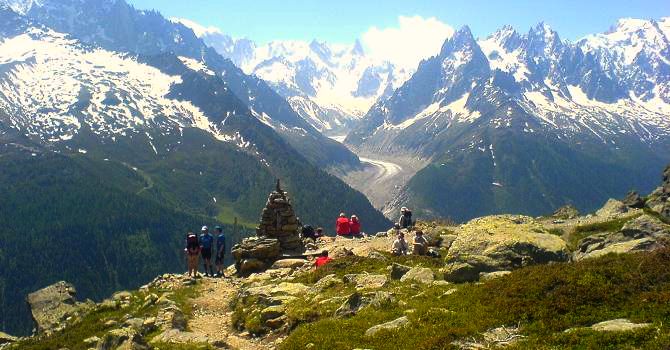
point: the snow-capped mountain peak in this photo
(21, 6)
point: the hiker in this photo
(319, 232)
(342, 226)
(399, 246)
(420, 244)
(192, 251)
(206, 243)
(220, 251)
(323, 259)
(355, 226)
(405, 220)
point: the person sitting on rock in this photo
(420, 244)
(342, 226)
(355, 226)
(323, 259)
(399, 246)
(308, 232)
(319, 232)
(192, 251)
(405, 220)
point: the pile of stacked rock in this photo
(279, 221)
(277, 236)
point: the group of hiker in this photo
(204, 245)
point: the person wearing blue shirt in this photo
(206, 243)
(220, 251)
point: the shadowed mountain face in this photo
(528, 123)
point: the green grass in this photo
(92, 324)
(556, 231)
(544, 300)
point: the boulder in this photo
(175, 336)
(566, 212)
(6, 338)
(276, 323)
(487, 276)
(326, 282)
(618, 325)
(612, 208)
(447, 240)
(398, 270)
(366, 281)
(271, 312)
(289, 263)
(643, 233)
(258, 248)
(633, 200)
(51, 306)
(391, 325)
(419, 274)
(350, 306)
(247, 266)
(124, 338)
(501, 243)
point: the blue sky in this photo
(345, 20)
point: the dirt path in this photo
(212, 316)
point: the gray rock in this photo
(326, 282)
(272, 312)
(289, 263)
(52, 305)
(633, 200)
(398, 270)
(391, 325)
(486, 276)
(350, 306)
(612, 208)
(618, 325)
(644, 233)
(176, 336)
(419, 274)
(566, 212)
(501, 243)
(366, 281)
(6, 338)
(124, 338)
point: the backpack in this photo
(192, 241)
(308, 231)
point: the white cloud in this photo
(414, 39)
(197, 28)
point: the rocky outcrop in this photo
(256, 254)
(501, 243)
(643, 233)
(54, 306)
(566, 212)
(659, 199)
(391, 325)
(633, 200)
(612, 208)
(6, 339)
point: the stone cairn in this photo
(276, 236)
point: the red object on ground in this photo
(355, 227)
(342, 227)
(322, 260)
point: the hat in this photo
(218, 228)
(403, 209)
(342, 215)
(354, 216)
(204, 228)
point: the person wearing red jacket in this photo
(355, 226)
(342, 226)
(323, 259)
